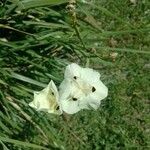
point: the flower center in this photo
(82, 85)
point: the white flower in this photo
(47, 100)
(81, 89)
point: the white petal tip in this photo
(32, 105)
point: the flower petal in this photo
(70, 107)
(69, 96)
(93, 99)
(47, 100)
(72, 71)
(92, 103)
(101, 91)
(89, 75)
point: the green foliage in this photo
(39, 38)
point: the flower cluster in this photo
(80, 89)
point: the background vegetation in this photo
(38, 38)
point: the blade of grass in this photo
(46, 24)
(21, 143)
(27, 4)
(11, 28)
(27, 117)
(10, 122)
(111, 33)
(122, 50)
(4, 146)
(27, 79)
(9, 44)
(5, 129)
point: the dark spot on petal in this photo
(57, 108)
(93, 89)
(75, 77)
(52, 93)
(74, 99)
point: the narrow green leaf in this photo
(3, 82)
(46, 24)
(4, 146)
(6, 129)
(24, 144)
(11, 28)
(26, 4)
(9, 44)
(123, 50)
(27, 79)
(9, 121)
(111, 33)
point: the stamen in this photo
(57, 108)
(74, 99)
(75, 77)
(93, 89)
